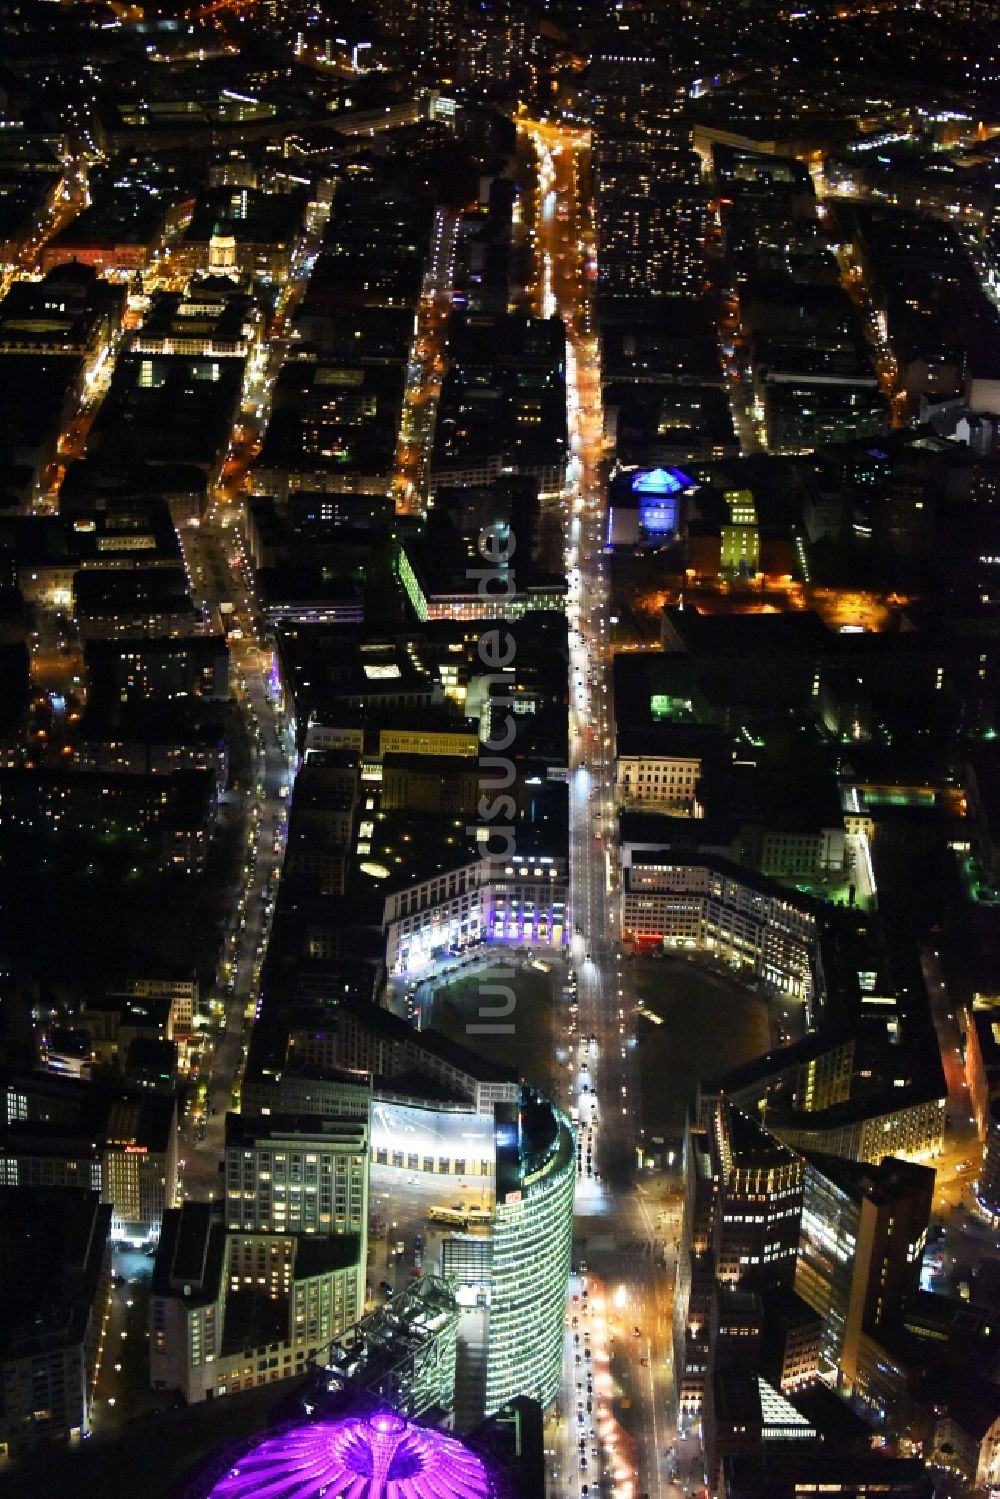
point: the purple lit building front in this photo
(520, 903)
(372, 1456)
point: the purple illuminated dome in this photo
(380, 1456)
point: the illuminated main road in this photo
(215, 560)
(624, 1318)
(219, 572)
(423, 376)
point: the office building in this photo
(70, 1133)
(55, 1267)
(659, 769)
(982, 1058)
(141, 669)
(823, 1094)
(650, 220)
(744, 1414)
(700, 900)
(793, 1474)
(503, 403)
(70, 311)
(532, 1244)
(365, 1039)
(813, 1074)
(332, 430)
(743, 1202)
(790, 1342)
(174, 815)
(439, 589)
(296, 1175)
(907, 1121)
(740, 550)
(760, 1200)
(862, 1239)
(987, 1185)
(231, 1311)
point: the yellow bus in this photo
(453, 1217)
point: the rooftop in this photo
(52, 1249)
(85, 1112)
(818, 1043)
(883, 1184)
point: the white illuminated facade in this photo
(659, 782)
(521, 903)
(701, 904)
(202, 325)
(780, 1421)
(432, 1140)
(914, 1131)
(823, 1273)
(471, 602)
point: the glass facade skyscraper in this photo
(824, 1272)
(860, 1248)
(532, 1244)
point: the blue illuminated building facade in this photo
(646, 505)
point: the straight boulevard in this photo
(618, 1334)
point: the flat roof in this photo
(801, 632)
(89, 1111)
(752, 1145)
(394, 1027)
(52, 1245)
(249, 1130)
(782, 1059)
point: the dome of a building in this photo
(375, 1456)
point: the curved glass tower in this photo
(532, 1246)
